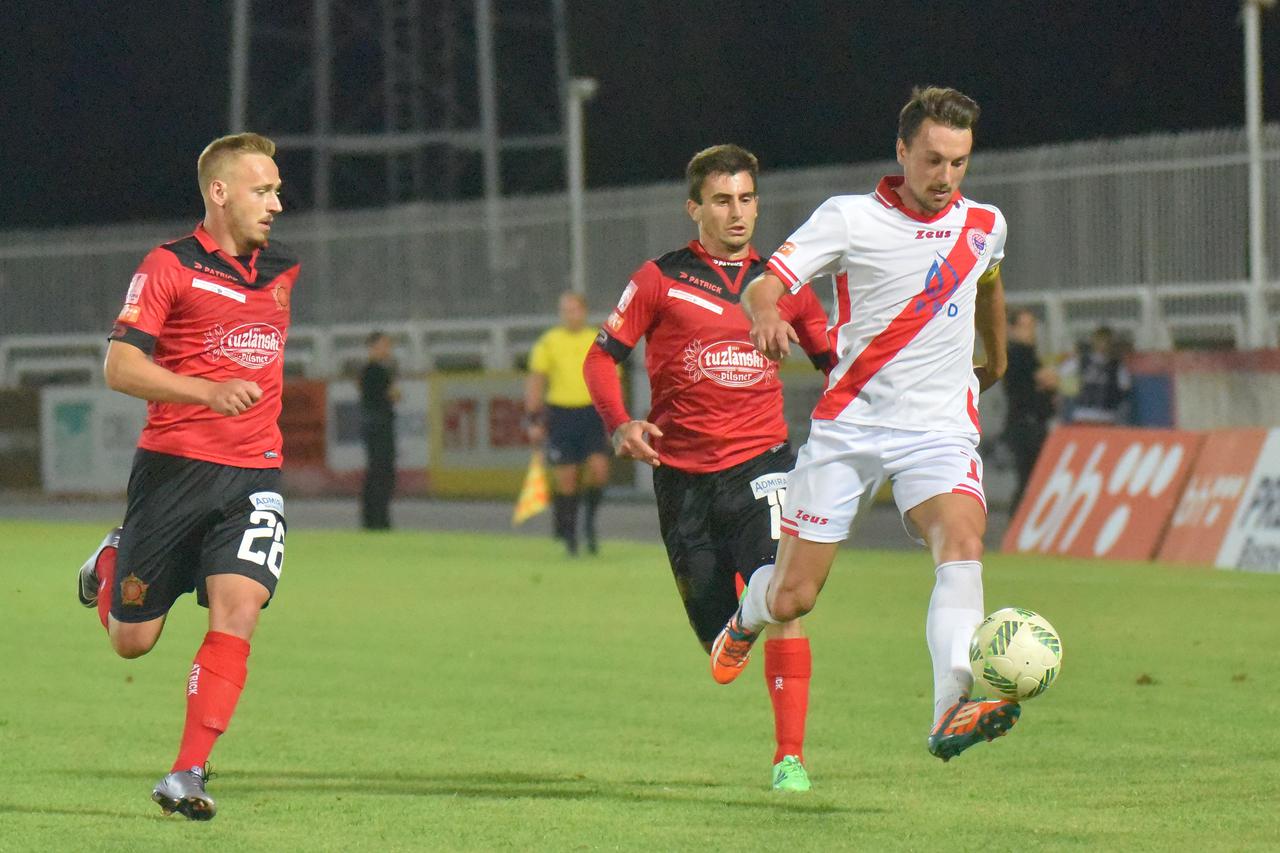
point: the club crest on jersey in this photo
(281, 293)
(733, 364)
(251, 345)
(976, 241)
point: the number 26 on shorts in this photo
(272, 531)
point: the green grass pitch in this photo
(416, 691)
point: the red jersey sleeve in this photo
(600, 372)
(637, 307)
(805, 314)
(151, 294)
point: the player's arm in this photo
(991, 323)
(806, 315)
(815, 248)
(770, 333)
(630, 436)
(630, 320)
(130, 371)
(535, 389)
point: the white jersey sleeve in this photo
(815, 248)
(998, 237)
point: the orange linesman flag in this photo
(534, 494)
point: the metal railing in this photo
(1152, 212)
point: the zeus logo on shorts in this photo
(801, 515)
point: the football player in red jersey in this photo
(715, 433)
(201, 339)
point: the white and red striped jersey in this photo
(905, 288)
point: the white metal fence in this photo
(1145, 233)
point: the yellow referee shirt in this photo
(559, 355)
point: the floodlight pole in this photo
(486, 79)
(239, 67)
(581, 90)
(1261, 331)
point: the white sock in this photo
(955, 610)
(755, 604)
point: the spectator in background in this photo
(1031, 390)
(1104, 382)
(378, 395)
(559, 412)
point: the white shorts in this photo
(841, 468)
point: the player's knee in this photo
(238, 617)
(966, 545)
(791, 601)
(130, 646)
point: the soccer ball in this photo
(1016, 653)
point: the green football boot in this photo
(789, 775)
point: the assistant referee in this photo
(558, 411)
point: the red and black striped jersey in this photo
(199, 311)
(716, 399)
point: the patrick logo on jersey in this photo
(251, 345)
(733, 364)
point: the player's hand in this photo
(986, 377)
(773, 336)
(233, 397)
(536, 433)
(629, 442)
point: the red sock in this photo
(213, 688)
(106, 569)
(787, 667)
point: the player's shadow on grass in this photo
(490, 786)
(509, 785)
(13, 808)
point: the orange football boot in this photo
(730, 650)
(971, 721)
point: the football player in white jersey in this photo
(917, 271)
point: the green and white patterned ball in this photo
(1016, 653)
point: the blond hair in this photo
(218, 153)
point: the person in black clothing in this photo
(1105, 384)
(378, 395)
(1031, 390)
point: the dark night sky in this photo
(107, 104)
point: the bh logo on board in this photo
(1103, 492)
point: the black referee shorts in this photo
(719, 525)
(573, 434)
(188, 519)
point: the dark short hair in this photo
(1018, 313)
(375, 336)
(946, 106)
(719, 160)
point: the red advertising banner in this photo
(1212, 494)
(1103, 492)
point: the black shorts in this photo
(188, 519)
(717, 525)
(574, 434)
